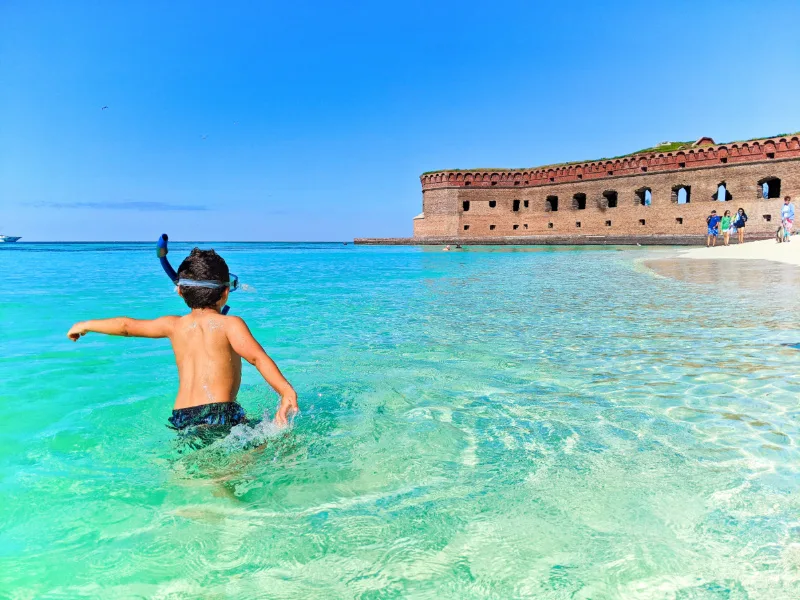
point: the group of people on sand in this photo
(727, 224)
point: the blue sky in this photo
(313, 121)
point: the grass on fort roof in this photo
(668, 147)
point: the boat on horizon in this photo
(7, 239)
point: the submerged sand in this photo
(787, 253)
(741, 266)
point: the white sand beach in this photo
(788, 253)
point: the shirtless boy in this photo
(208, 347)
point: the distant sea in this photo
(545, 423)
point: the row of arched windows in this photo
(767, 188)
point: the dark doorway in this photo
(551, 204)
(579, 202)
(610, 198)
(770, 187)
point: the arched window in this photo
(551, 204)
(643, 196)
(579, 202)
(682, 194)
(722, 194)
(610, 198)
(769, 187)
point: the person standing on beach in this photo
(726, 228)
(713, 228)
(739, 222)
(787, 217)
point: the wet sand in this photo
(750, 265)
(788, 253)
(744, 274)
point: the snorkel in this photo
(161, 252)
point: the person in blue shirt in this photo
(713, 228)
(787, 217)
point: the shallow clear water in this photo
(495, 423)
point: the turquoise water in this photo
(495, 423)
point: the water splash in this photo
(246, 436)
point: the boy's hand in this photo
(76, 332)
(287, 408)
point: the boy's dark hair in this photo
(203, 265)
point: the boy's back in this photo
(209, 368)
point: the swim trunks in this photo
(224, 414)
(712, 231)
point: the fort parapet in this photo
(652, 196)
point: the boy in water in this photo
(208, 347)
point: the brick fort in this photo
(659, 195)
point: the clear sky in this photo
(313, 121)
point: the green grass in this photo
(668, 147)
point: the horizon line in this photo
(182, 241)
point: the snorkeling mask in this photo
(233, 284)
(161, 252)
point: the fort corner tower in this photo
(662, 194)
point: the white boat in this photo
(7, 238)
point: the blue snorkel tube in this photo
(161, 252)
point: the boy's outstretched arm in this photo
(246, 346)
(155, 328)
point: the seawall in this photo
(555, 240)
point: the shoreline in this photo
(549, 240)
(786, 253)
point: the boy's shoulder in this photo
(168, 320)
(232, 323)
(232, 319)
(237, 331)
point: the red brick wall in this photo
(740, 166)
